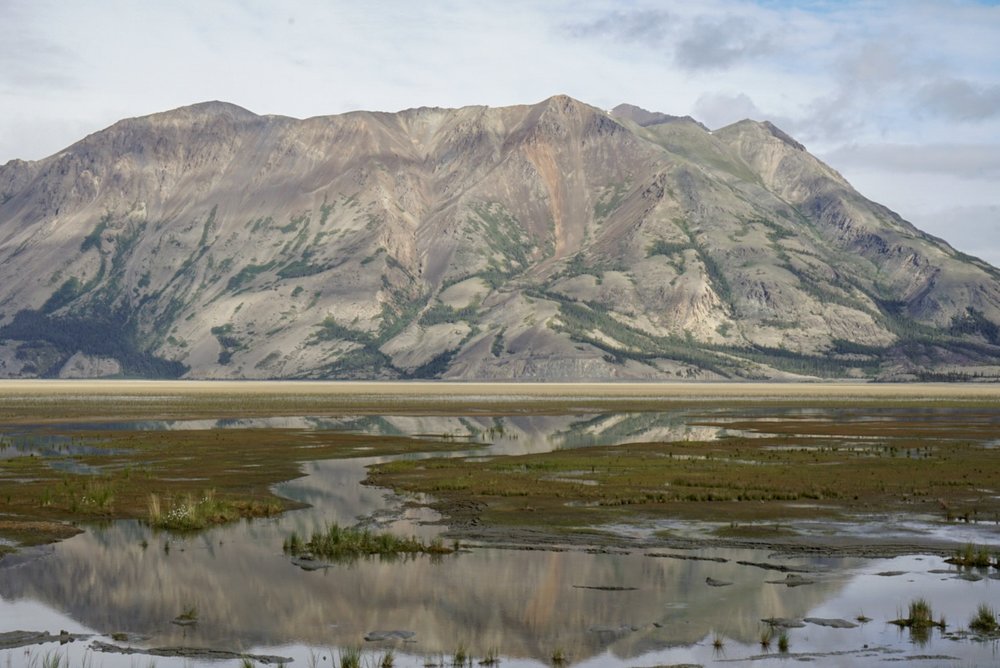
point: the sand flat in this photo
(458, 390)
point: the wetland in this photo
(625, 524)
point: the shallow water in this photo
(602, 609)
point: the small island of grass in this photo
(339, 542)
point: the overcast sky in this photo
(901, 96)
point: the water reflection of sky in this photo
(526, 604)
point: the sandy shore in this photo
(459, 390)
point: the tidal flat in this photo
(622, 524)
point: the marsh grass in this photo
(783, 642)
(388, 659)
(460, 656)
(746, 481)
(242, 465)
(971, 556)
(54, 660)
(766, 636)
(339, 542)
(188, 617)
(193, 514)
(350, 657)
(491, 658)
(559, 657)
(985, 620)
(919, 620)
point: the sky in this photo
(901, 96)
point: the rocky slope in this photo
(550, 241)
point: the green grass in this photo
(783, 642)
(972, 557)
(190, 614)
(985, 620)
(192, 514)
(350, 543)
(491, 658)
(350, 657)
(919, 616)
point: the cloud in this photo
(971, 229)
(959, 100)
(29, 59)
(721, 43)
(647, 26)
(717, 109)
(970, 161)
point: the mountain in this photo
(545, 241)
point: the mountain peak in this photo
(778, 133)
(645, 118)
(760, 128)
(211, 109)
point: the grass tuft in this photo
(985, 620)
(971, 557)
(339, 542)
(350, 657)
(193, 514)
(491, 658)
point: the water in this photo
(601, 609)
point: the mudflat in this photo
(906, 449)
(473, 390)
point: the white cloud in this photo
(714, 43)
(717, 109)
(959, 100)
(971, 161)
(971, 229)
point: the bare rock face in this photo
(90, 366)
(545, 241)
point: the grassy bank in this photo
(179, 480)
(785, 470)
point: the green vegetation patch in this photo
(347, 543)
(749, 483)
(193, 513)
(300, 268)
(610, 200)
(104, 333)
(162, 476)
(248, 274)
(442, 313)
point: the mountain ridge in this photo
(544, 241)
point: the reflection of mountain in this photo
(507, 434)
(525, 603)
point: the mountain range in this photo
(537, 242)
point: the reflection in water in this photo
(521, 601)
(601, 608)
